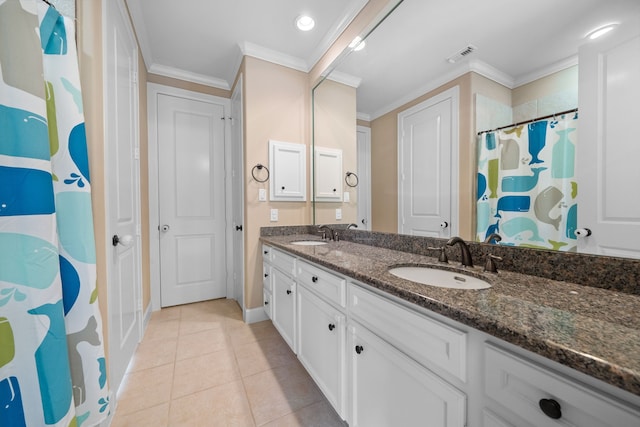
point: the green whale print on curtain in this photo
(52, 361)
(526, 187)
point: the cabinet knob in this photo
(359, 349)
(266, 275)
(551, 408)
(288, 291)
(283, 187)
(266, 303)
(266, 252)
(314, 279)
(331, 326)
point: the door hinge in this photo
(136, 153)
(134, 77)
(138, 230)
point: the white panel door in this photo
(428, 167)
(237, 185)
(607, 157)
(191, 200)
(364, 178)
(122, 166)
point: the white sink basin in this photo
(309, 242)
(440, 278)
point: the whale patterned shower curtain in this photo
(526, 184)
(52, 364)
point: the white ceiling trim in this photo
(176, 73)
(363, 116)
(354, 7)
(492, 73)
(345, 79)
(269, 55)
(140, 30)
(553, 68)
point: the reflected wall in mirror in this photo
(519, 63)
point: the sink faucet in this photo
(352, 225)
(323, 229)
(465, 254)
(493, 237)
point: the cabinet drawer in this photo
(519, 385)
(266, 253)
(428, 341)
(268, 306)
(266, 276)
(327, 285)
(285, 262)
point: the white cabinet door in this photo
(321, 337)
(283, 299)
(288, 163)
(390, 389)
(328, 174)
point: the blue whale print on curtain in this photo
(529, 200)
(52, 361)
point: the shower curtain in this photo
(526, 185)
(52, 364)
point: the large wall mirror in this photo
(492, 63)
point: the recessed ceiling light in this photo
(601, 31)
(357, 44)
(305, 23)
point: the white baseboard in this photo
(146, 317)
(253, 315)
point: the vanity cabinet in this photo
(539, 397)
(389, 388)
(267, 289)
(282, 300)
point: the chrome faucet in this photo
(323, 229)
(493, 237)
(465, 254)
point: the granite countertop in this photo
(595, 331)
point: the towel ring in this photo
(349, 175)
(259, 167)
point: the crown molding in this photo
(363, 116)
(492, 73)
(270, 55)
(176, 73)
(543, 72)
(345, 79)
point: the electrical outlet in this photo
(274, 215)
(346, 197)
(262, 195)
(338, 213)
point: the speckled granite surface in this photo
(593, 330)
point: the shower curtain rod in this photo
(573, 110)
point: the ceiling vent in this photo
(468, 50)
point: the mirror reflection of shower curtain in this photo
(526, 185)
(52, 363)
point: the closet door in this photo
(607, 155)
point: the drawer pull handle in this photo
(551, 408)
(288, 291)
(331, 326)
(314, 279)
(359, 349)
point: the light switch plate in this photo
(346, 197)
(262, 195)
(338, 213)
(274, 215)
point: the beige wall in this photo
(562, 81)
(89, 25)
(334, 121)
(276, 106)
(384, 161)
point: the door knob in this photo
(583, 232)
(165, 228)
(444, 224)
(125, 240)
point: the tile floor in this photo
(201, 365)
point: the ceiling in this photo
(517, 40)
(204, 40)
